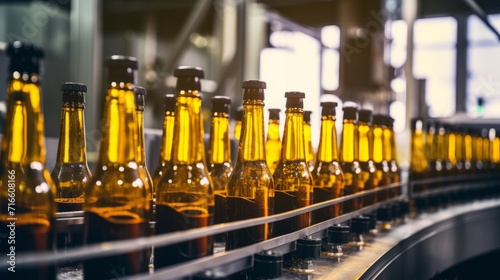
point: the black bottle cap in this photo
(274, 113)
(295, 99)
(384, 214)
(220, 104)
(140, 97)
(338, 234)
(238, 116)
(378, 119)
(169, 102)
(73, 94)
(121, 68)
(24, 57)
(308, 248)
(431, 125)
(253, 89)
(389, 122)
(365, 115)
(188, 78)
(328, 108)
(350, 113)
(307, 116)
(267, 265)
(360, 225)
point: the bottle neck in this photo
(393, 144)
(364, 142)
(459, 146)
(273, 130)
(167, 139)
(293, 148)
(220, 150)
(452, 147)
(387, 144)
(349, 146)
(327, 148)
(467, 147)
(72, 147)
(119, 140)
(141, 154)
(378, 144)
(430, 142)
(418, 162)
(14, 140)
(35, 131)
(308, 142)
(188, 146)
(252, 145)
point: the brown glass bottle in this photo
(251, 186)
(26, 189)
(418, 162)
(310, 157)
(184, 198)
(486, 149)
(450, 140)
(467, 152)
(433, 154)
(140, 157)
(327, 174)
(390, 155)
(238, 122)
(292, 179)
(381, 164)
(366, 163)
(459, 147)
(273, 140)
(71, 173)
(164, 161)
(495, 152)
(117, 202)
(349, 159)
(219, 159)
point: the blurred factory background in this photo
(426, 58)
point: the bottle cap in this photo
(378, 119)
(73, 94)
(220, 104)
(121, 68)
(307, 116)
(24, 57)
(140, 97)
(365, 115)
(389, 122)
(274, 113)
(295, 99)
(328, 108)
(350, 113)
(169, 102)
(188, 78)
(253, 89)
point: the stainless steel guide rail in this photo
(225, 263)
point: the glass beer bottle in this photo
(349, 159)
(381, 164)
(164, 161)
(327, 174)
(219, 160)
(366, 163)
(251, 188)
(26, 189)
(273, 140)
(418, 162)
(117, 202)
(184, 198)
(292, 179)
(238, 122)
(307, 138)
(389, 141)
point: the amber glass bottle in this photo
(450, 163)
(140, 104)
(366, 163)
(27, 192)
(310, 158)
(381, 164)
(349, 159)
(495, 152)
(219, 159)
(71, 172)
(392, 160)
(434, 166)
(273, 140)
(327, 174)
(238, 122)
(292, 179)
(251, 186)
(418, 161)
(164, 161)
(185, 198)
(467, 152)
(486, 149)
(459, 147)
(116, 199)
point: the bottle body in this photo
(273, 140)
(251, 186)
(365, 155)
